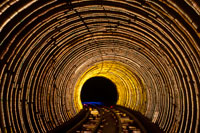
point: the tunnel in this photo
(99, 90)
(149, 49)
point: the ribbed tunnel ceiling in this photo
(148, 48)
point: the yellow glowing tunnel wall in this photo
(130, 88)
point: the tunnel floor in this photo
(100, 91)
(104, 119)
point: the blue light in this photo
(93, 103)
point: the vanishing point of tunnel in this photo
(50, 49)
(99, 89)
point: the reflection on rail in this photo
(92, 122)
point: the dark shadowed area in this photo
(99, 89)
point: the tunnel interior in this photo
(148, 48)
(99, 90)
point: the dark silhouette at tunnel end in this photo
(99, 91)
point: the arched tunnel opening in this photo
(99, 90)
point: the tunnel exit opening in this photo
(99, 90)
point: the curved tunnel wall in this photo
(148, 48)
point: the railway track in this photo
(103, 119)
(108, 120)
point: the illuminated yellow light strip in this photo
(129, 87)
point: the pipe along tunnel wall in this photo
(148, 48)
